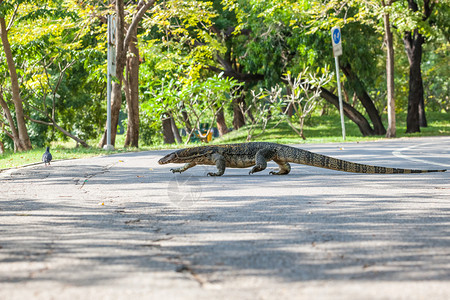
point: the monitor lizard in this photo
(257, 154)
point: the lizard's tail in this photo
(327, 162)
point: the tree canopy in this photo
(191, 64)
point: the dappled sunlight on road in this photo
(127, 225)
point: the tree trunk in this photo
(289, 110)
(185, 117)
(24, 142)
(238, 116)
(175, 131)
(116, 88)
(116, 103)
(391, 131)
(221, 124)
(413, 44)
(132, 95)
(413, 41)
(349, 111)
(122, 43)
(422, 117)
(14, 134)
(169, 138)
(365, 99)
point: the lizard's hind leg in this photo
(285, 168)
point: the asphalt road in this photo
(124, 227)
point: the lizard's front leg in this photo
(184, 168)
(220, 164)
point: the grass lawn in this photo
(59, 150)
(319, 129)
(327, 129)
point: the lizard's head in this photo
(169, 158)
(183, 155)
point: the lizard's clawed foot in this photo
(213, 174)
(255, 169)
(277, 173)
(176, 171)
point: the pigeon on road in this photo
(47, 157)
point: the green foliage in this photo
(200, 100)
(59, 47)
(178, 34)
(61, 65)
(326, 129)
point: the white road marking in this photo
(399, 154)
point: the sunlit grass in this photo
(327, 129)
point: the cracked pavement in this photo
(122, 226)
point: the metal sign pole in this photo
(337, 50)
(110, 73)
(341, 108)
(108, 93)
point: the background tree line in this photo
(223, 63)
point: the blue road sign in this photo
(336, 40)
(336, 36)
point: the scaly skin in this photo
(257, 154)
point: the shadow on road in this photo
(86, 224)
